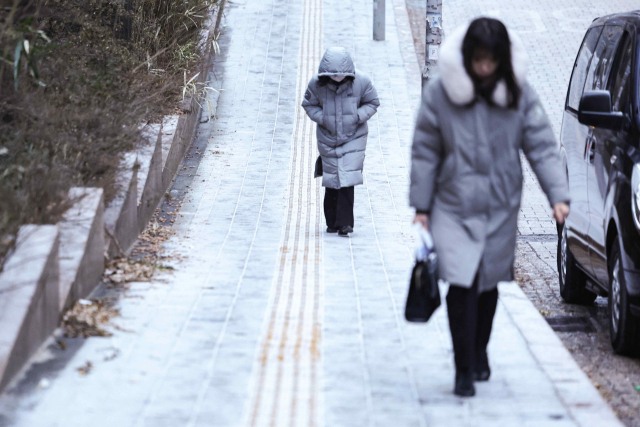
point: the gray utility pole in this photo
(435, 33)
(378, 20)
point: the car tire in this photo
(572, 280)
(624, 327)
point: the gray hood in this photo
(337, 62)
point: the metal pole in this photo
(378, 20)
(434, 36)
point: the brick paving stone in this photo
(270, 321)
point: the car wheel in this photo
(572, 280)
(624, 327)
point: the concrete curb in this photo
(573, 387)
(81, 245)
(52, 267)
(121, 216)
(169, 124)
(29, 303)
(150, 174)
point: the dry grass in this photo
(77, 79)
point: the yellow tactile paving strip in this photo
(285, 384)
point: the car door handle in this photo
(587, 146)
(592, 150)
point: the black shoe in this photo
(482, 373)
(332, 230)
(464, 383)
(344, 231)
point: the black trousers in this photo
(470, 319)
(338, 207)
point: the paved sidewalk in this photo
(270, 321)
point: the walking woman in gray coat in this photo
(466, 177)
(340, 99)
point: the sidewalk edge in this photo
(574, 389)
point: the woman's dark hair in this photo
(325, 80)
(491, 35)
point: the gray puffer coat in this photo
(466, 170)
(341, 112)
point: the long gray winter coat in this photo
(341, 112)
(466, 169)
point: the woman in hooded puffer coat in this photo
(340, 99)
(466, 177)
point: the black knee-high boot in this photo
(487, 303)
(462, 305)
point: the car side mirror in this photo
(595, 110)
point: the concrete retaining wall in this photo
(29, 299)
(121, 216)
(169, 125)
(151, 181)
(81, 245)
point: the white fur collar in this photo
(457, 83)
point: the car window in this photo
(580, 67)
(619, 83)
(600, 65)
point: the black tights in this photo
(470, 319)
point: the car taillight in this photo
(635, 189)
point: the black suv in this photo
(599, 247)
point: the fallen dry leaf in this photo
(86, 368)
(122, 271)
(84, 320)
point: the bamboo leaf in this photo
(33, 67)
(193, 78)
(44, 36)
(16, 64)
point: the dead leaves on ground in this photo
(88, 319)
(144, 258)
(120, 271)
(149, 245)
(85, 369)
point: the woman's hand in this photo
(421, 219)
(560, 212)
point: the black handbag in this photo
(318, 170)
(424, 293)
